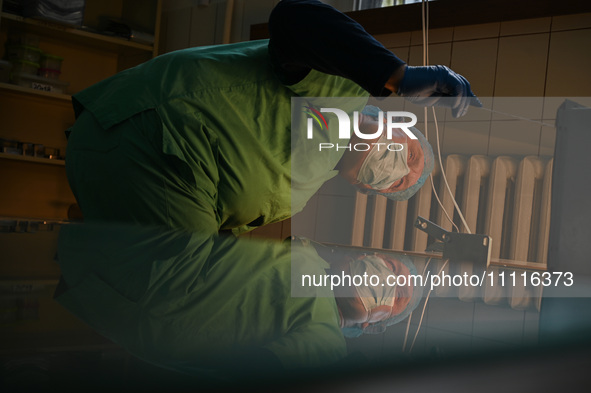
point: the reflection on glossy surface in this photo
(210, 311)
(220, 307)
(198, 305)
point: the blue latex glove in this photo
(437, 86)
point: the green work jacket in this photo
(229, 96)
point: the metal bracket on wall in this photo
(457, 246)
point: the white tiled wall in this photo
(476, 60)
(531, 26)
(474, 32)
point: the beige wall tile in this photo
(435, 36)
(526, 26)
(482, 345)
(451, 314)
(547, 141)
(514, 138)
(400, 104)
(521, 65)
(337, 186)
(438, 54)
(551, 105)
(394, 338)
(475, 113)
(470, 32)
(334, 219)
(419, 112)
(402, 52)
(394, 39)
(569, 63)
(431, 136)
(476, 60)
(498, 323)
(531, 327)
(466, 137)
(568, 22)
(447, 342)
(512, 108)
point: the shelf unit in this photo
(41, 117)
(74, 34)
(38, 160)
(25, 90)
(37, 188)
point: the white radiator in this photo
(507, 198)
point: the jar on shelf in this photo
(49, 73)
(51, 62)
(24, 67)
(50, 66)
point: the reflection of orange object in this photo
(353, 310)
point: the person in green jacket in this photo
(201, 138)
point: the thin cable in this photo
(406, 332)
(441, 204)
(517, 117)
(425, 30)
(445, 177)
(410, 316)
(425, 21)
(424, 307)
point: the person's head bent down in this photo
(380, 292)
(396, 168)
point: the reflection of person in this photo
(371, 306)
(365, 307)
(219, 306)
(200, 138)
